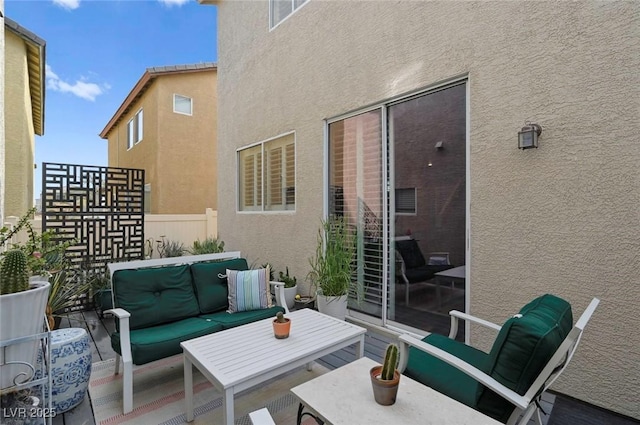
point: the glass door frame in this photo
(388, 195)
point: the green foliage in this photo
(208, 246)
(289, 282)
(391, 358)
(66, 287)
(331, 267)
(172, 249)
(13, 273)
(45, 253)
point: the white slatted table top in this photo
(238, 355)
(344, 397)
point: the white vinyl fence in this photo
(184, 228)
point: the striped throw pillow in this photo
(248, 290)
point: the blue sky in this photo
(96, 52)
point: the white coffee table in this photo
(242, 357)
(344, 397)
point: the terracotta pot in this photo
(281, 330)
(384, 392)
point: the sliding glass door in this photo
(398, 175)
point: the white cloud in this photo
(80, 88)
(67, 4)
(173, 2)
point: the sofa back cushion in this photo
(523, 347)
(211, 289)
(155, 295)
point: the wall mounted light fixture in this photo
(528, 135)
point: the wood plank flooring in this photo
(572, 412)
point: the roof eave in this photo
(141, 86)
(36, 50)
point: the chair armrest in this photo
(455, 315)
(125, 336)
(279, 291)
(486, 380)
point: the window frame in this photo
(263, 207)
(294, 9)
(135, 129)
(190, 114)
(415, 201)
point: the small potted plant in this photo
(290, 288)
(385, 379)
(281, 326)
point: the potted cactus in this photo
(22, 309)
(385, 379)
(281, 326)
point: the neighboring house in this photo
(326, 106)
(23, 116)
(167, 126)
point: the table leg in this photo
(360, 348)
(188, 387)
(227, 402)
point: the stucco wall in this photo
(18, 128)
(177, 152)
(562, 218)
(2, 143)
(187, 149)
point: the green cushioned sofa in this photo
(161, 303)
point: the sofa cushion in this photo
(162, 341)
(524, 345)
(248, 290)
(443, 377)
(211, 289)
(155, 295)
(231, 320)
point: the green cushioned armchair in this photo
(530, 351)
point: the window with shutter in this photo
(277, 172)
(406, 201)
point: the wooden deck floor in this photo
(569, 411)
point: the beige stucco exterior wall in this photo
(18, 129)
(2, 138)
(187, 148)
(561, 219)
(177, 152)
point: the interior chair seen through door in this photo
(411, 266)
(529, 353)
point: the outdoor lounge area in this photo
(159, 388)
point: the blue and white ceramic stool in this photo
(70, 367)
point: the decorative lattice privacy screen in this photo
(99, 208)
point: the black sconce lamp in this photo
(528, 136)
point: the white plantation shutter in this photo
(290, 174)
(275, 177)
(250, 161)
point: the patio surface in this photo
(564, 410)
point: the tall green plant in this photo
(331, 267)
(13, 273)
